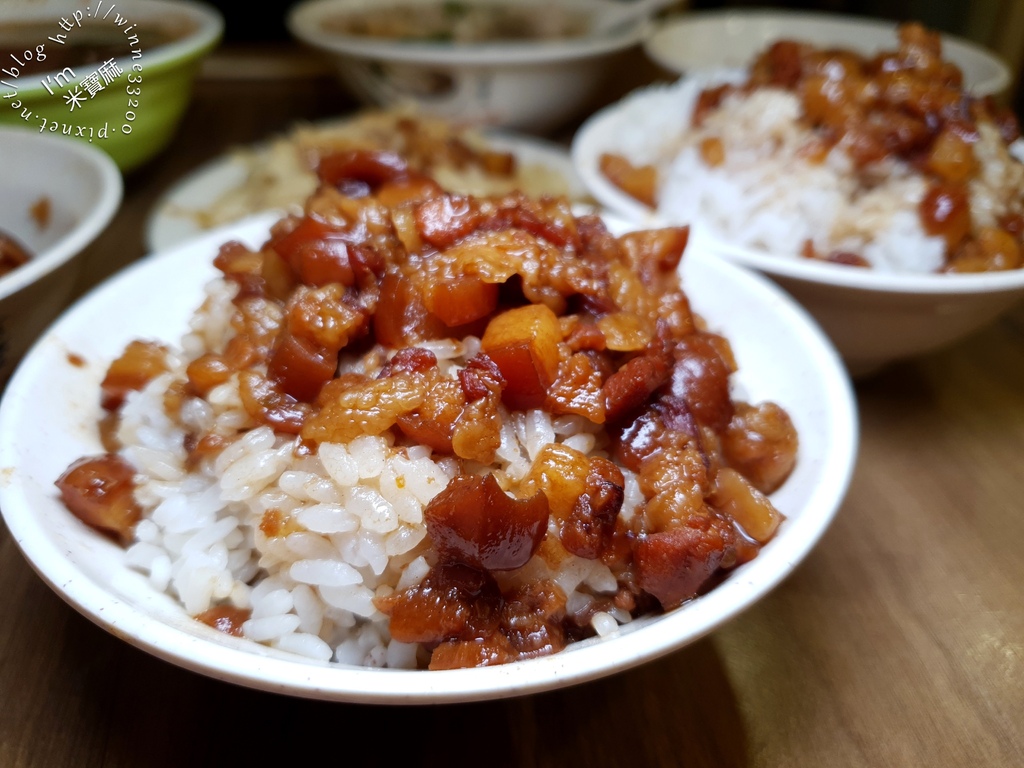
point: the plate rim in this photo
(216, 170)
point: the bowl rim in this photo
(302, 21)
(106, 201)
(201, 40)
(1001, 78)
(234, 660)
(867, 280)
(584, 150)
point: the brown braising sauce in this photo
(570, 319)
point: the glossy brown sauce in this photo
(571, 319)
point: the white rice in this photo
(353, 514)
(766, 196)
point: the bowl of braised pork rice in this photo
(415, 446)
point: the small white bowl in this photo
(82, 189)
(706, 40)
(48, 416)
(529, 85)
(873, 317)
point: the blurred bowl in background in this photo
(131, 107)
(872, 316)
(707, 40)
(56, 197)
(477, 64)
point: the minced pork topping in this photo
(907, 106)
(557, 317)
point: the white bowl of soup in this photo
(523, 65)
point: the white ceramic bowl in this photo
(703, 40)
(530, 85)
(83, 189)
(48, 416)
(873, 317)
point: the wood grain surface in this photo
(898, 642)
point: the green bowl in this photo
(145, 90)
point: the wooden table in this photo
(898, 642)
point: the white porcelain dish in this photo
(178, 214)
(48, 419)
(873, 317)
(529, 85)
(82, 191)
(703, 40)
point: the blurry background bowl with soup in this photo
(526, 65)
